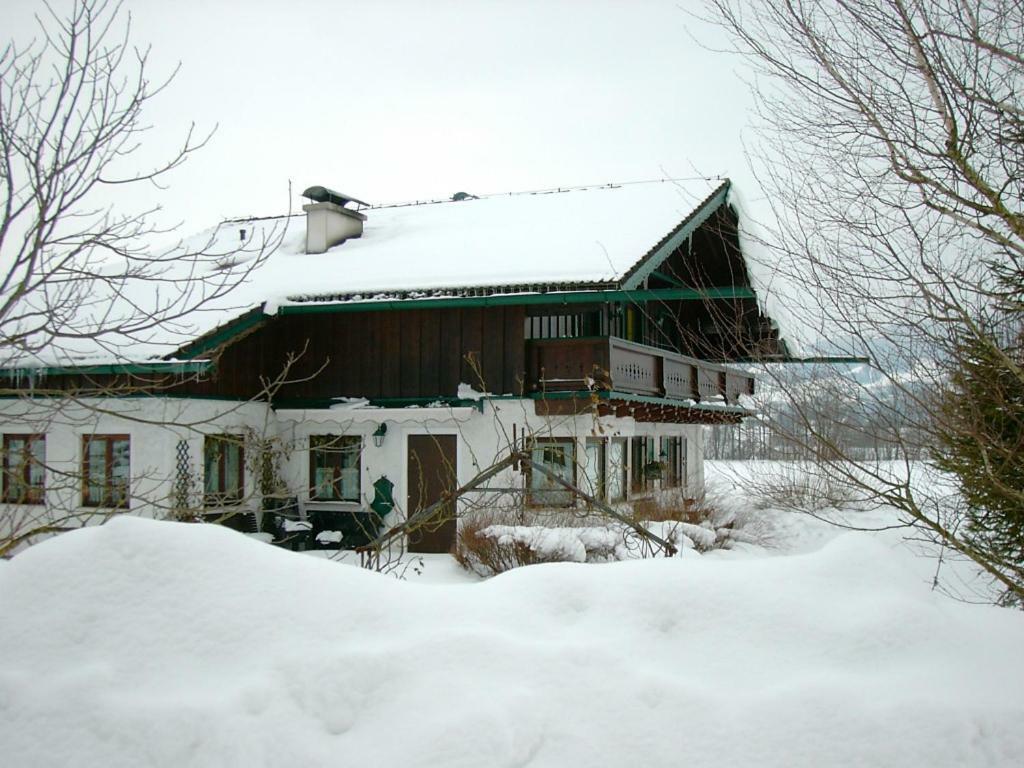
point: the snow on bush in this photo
(494, 541)
(486, 547)
(548, 544)
(142, 643)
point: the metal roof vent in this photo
(328, 219)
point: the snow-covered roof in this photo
(570, 236)
(572, 239)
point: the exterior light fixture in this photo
(378, 434)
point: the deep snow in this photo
(143, 643)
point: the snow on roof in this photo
(763, 270)
(567, 237)
(583, 235)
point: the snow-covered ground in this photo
(142, 643)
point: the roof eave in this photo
(654, 258)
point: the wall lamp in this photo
(378, 434)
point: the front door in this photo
(431, 465)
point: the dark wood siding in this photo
(411, 348)
(721, 329)
(390, 351)
(430, 351)
(385, 354)
(471, 370)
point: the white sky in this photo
(395, 100)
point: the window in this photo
(617, 469)
(106, 470)
(642, 449)
(334, 467)
(580, 324)
(673, 458)
(594, 468)
(558, 456)
(223, 470)
(24, 468)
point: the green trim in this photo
(118, 369)
(633, 296)
(305, 403)
(605, 394)
(257, 315)
(224, 333)
(317, 404)
(828, 360)
(29, 395)
(423, 402)
(786, 360)
(662, 252)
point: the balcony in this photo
(572, 365)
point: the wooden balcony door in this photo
(431, 472)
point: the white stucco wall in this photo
(155, 425)
(484, 436)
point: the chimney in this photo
(329, 221)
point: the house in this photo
(382, 355)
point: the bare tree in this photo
(894, 138)
(80, 279)
(77, 276)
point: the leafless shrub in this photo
(485, 554)
(658, 509)
(801, 487)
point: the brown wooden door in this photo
(431, 464)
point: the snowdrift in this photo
(141, 643)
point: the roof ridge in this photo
(488, 195)
(553, 190)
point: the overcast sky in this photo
(391, 100)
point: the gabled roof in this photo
(601, 238)
(508, 248)
(567, 238)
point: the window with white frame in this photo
(673, 459)
(558, 456)
(618, 469)
(594, 480)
